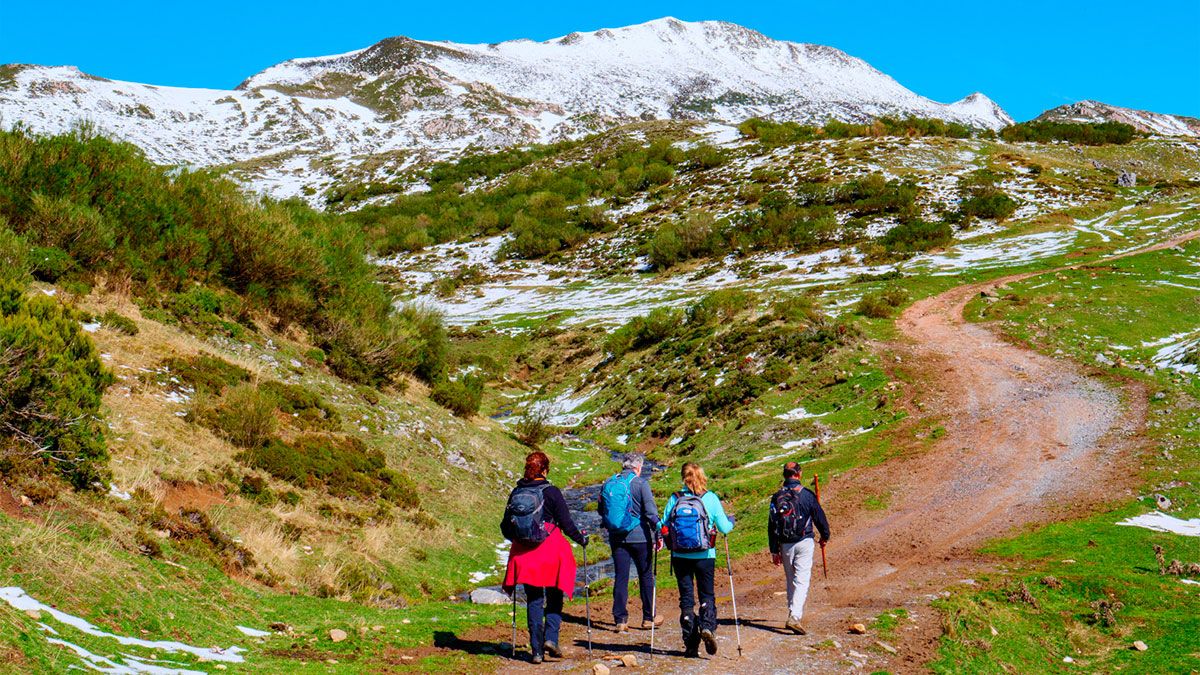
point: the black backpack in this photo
(790, 524)
(524, 513)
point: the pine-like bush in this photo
(51, 384)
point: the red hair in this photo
(536, 465)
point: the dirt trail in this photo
(1028, 439)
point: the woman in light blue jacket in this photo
(692, 529)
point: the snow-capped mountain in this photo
(289, 128)
(1142, 120)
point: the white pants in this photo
(797, 565)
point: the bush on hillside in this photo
(641, 332)
(785, 133)
(245, 416)
(14, 256)
(991, 203)
(306, 407)
(545, 208)
(119, 323)
(194, 244)
(1084, 133)
(203, 372)
(881, 305)
(462, 396)
(678, 240)
(342, 465)
(916, 235)
(51, 384)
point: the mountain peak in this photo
(403, 95)
(1142, 120)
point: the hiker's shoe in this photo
(621, 628)
(710, 641)
(656, 621)
(552, 649)
(537, 658)
(793, 624)
(692, 652)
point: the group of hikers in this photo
(538, 523)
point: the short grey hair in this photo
(633, 460)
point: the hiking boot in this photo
(621, 628)
(793, 624)
(691, 652)
(537, 658)
(656, 621)
(552, 649)
(710, 641)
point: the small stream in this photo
(578, 498)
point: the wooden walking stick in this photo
(817, 491)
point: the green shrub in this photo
(881, 305)
(1085, 133)
(678, 240)
(245, 416)
(645, 331)
(342, 465)
(256, 489)
(14, 255)
(306, 407)
(989, 203)
(89, 206)
(786, 133)
(737, 389)
(917, 235)
(51, 384)
(706, 156)
(205, 373)
(119, 323)
(461, 396)
(719, 306)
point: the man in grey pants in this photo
(794, 512)
(633, 547)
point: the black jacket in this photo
(810, 508)
(554, 510)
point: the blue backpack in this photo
(524, 512)
(687, 525)
(617, 498)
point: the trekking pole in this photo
(736, 622)
(654, 600)
(817, 491)
(587, 599)
(514, 620)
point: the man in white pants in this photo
(794, 512)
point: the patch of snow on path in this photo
(1161, 522)
(18, 599)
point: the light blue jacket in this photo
(716, 517)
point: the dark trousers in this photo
(544, 612)
(640, 556)
(695, 577)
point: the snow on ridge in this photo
(409, 95)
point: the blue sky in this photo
(1028, 56)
